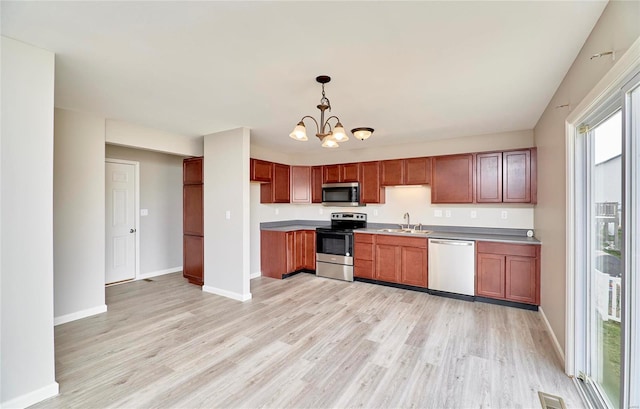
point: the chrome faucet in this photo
(406, 217)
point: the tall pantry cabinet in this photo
(192, 221)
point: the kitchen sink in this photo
(407, 231)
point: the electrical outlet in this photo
(473, 214)
(227, 215)
(437, 213)
(503, 214)
(277, 211)
(321, 211)
(447, 213)
(144, 212)
(375, 212)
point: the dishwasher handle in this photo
(452, 242)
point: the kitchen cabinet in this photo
(506, 177)
(392, 172)
(417, 171)
(371, 192)
(411, 171)
(300, 184)
(508, 272)
(192, 221)
(285, 253)
(363, 255)
(489, 177)
(401, 260)
(278, 191)
(316, 184)
(452, 179)
(260, 170)
(344, 172)
(519, 176)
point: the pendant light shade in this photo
(339, 134)
(329, 142)
(299, 132)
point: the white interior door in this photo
(120, 222)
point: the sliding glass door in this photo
(607, 229)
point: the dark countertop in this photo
(515, 236)
(502, 238)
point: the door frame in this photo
(136, 208)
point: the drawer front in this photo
(420, 242)
(524, 250)
(363, 251)
(364, 238)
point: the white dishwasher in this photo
(452, 266)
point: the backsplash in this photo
(399, 200)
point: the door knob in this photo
(132, 231)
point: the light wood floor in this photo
(303, 342)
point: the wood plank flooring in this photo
(303, 342)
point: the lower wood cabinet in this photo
(363, 255)
(393, 259)
(508, 272)
(193, 259)
(283, 253)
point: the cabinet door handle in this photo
(132, 231)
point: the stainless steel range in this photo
(334, 245)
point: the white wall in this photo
(413, 199)
(136, 136)
(475, 143)
(78, 215)
(226, 189)
(616, 30)
(161, 194)
(26, 221)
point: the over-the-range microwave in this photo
(341, 194)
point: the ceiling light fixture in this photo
(329, 136)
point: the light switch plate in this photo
(227, 215)
(437, 213)
(473, 214)
(447, 213)
(144, 212)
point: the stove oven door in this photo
(334, 254)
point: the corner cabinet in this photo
(508, 272)
(192, 221)
(278, 190)
(285, 253)
(506, 177)
(452, 179)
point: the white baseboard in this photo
(159, 273)
(225, 293)
(554, 340)
(79, 315)
(255, 275)
(32, 398)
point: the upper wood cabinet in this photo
(260, 170)
(506, 177)
(300, 184)
(452, 179)
(371, 192)
(489, 177)
(192, 170)
(417, 171)
(392, 172)
(278, 191)
(344, 172)
(412, 171)
(316, 184)
(519, 176)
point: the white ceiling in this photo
(411, 70)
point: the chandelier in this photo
(330, 137)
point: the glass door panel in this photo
(606, 267)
